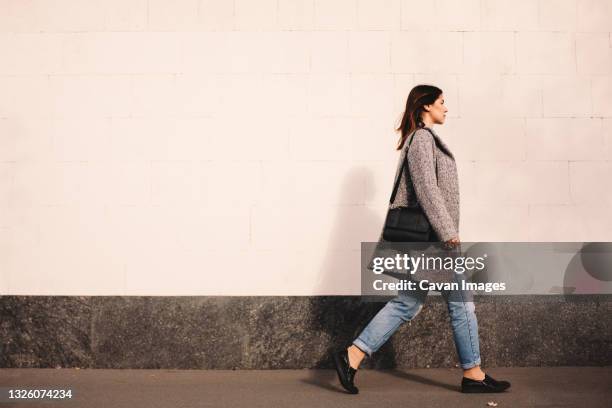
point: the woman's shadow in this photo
(341, 318)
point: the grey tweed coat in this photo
(439, 201)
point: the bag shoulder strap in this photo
(405, 162)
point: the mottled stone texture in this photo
(226, 332)
(45, 331)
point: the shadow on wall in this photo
(338, 318)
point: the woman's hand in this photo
(452, 243)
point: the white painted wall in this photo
(246, 148)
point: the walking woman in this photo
(430, 180)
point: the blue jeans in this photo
(408, 304)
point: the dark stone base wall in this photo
(269, 332)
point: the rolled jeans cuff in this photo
(363, 347)
(473, 364)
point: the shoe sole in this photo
(343, 381)
(481, 390)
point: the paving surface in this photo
(531, 387)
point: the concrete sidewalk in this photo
(531, 387)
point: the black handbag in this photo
(407, 224)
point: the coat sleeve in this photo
(423, 175)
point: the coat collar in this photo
(440, 142)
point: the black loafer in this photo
(489, 384)
(346, 373)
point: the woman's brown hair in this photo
(419, 96)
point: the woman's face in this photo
(437, 111)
